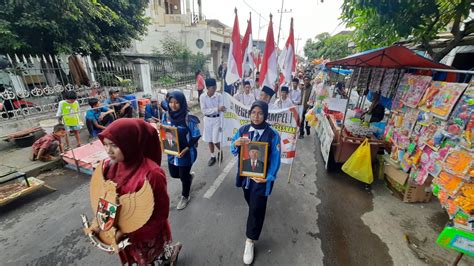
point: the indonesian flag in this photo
(258, 60)
(247, 49)
(269, 73)
(234, 61)
(287, 60)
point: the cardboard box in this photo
(398, 182)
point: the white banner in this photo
(285, 121)
(326, 136)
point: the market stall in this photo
(375, 71)
(426, 137)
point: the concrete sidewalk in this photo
(18, 160)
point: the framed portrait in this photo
(169, 140)
(253, 159)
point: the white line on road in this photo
(219, 180)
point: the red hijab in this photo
(137, 140)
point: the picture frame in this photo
(254, 159)
(169, 139)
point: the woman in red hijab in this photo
(134, 150)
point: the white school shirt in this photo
(272, 106)
(210, 105)
(295, 96)
(256, 92)
(282, 104)
(246, 99)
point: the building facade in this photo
(183, 21)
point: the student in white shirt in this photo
(246, 97)
(284, 101)
(212, 106)
(266, 95)
(295, 92)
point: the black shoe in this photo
(308, 131)
(301, 137)
(212, 161)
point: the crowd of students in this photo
(133, 146)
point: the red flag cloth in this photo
(248, 62)
(234, 62)
(287, 60)
(269, 73)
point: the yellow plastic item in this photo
(359, 165)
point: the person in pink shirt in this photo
(200, 83)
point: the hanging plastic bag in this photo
(359, 165)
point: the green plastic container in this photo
(457, 239)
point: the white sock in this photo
(213, 155)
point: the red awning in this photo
(387, 57)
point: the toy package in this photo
(417, 87)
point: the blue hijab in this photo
(178, 117)
(264, 106)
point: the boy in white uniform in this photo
(266, 95)
(295, 92)
(212, 106)
(284, 102)
(246, 97)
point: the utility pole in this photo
(281, 11)
(297, 43)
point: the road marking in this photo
(219, 180)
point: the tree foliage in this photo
(329, 47)
(380, 23)
(172, 49)
(91, 27)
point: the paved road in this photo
(45, 228)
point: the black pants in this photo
(93, 131)
(304, 124)
(257, 208)
(183, 173)
(128, 112)
(199, 95)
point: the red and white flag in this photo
(258, 60)
(234, 61)
(247, 50)
(287, 59)
(269, 72)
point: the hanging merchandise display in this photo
(417, 86)
(389, 82)
(376, 79)
(428, 135)
(403, 87)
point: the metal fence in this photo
(34, 84)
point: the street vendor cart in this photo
(379, 69)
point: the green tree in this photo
(184, 59)
(329, 47)
(380, 23)
(90, 27)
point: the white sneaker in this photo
(183, 202)
(248, 252)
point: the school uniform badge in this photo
(115, 216)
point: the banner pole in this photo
(222, 135)
(291, 170)
(293, 161)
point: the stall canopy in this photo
(388, 57)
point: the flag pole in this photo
(221, 155)
(293, 161)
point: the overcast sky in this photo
(311, 17)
